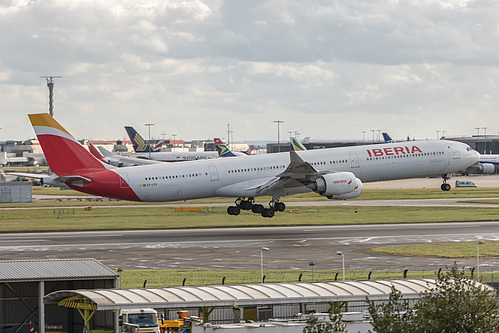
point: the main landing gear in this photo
(445, 186)
(241, 204)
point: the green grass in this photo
(489, 249)
(378, 194)
(127, 218)
(195, 277)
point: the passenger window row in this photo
(189, 175)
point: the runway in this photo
(290, 247)
(239, 248)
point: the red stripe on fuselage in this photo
(105, 183)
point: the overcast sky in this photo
(328, 69)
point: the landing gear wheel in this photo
(245, 205)
(268, 212)
(257, 208)
(279, 206)
(233, 210)
(445, 187)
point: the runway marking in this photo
(342, 240)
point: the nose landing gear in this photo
(445, 186)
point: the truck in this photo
(146, 319)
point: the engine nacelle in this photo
(334, 184)
(356, 193)
(481, 168)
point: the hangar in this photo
(223, 303)
(24, 283)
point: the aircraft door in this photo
(354, 161)
(455, 152)
(213, 173)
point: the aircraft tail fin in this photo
(249, 150)
(63, 152)
(105, 152)
(223, 150)
(297, 145)
(387, 138)
(95, 152)
(139, 144)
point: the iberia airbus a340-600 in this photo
(336, 173)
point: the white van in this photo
(146, 319)
(465, 183)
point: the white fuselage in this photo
(177, 156)
(240, 177)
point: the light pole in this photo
(173, 144)
(438, 132)
(279, 122)
(311, 264)
(120, 270)
(343, 259)
(484, 140)
(150, 146)
(478, 139)
(261, 262)
(373, 134)
(478, 261)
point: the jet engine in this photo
(339, 185)
(481, 168)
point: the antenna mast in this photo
(50, 85)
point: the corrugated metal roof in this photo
(53, 269)
(248, 294)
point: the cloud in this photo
(330, 69)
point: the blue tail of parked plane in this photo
(139, 144)
(387, 138)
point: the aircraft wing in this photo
(298, 173)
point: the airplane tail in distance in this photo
(139, 144)
(95, 152)
(297, 145)
(387, 138)
(223, 150)
(63, 152)
(249, 150)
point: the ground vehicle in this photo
(146, 319)
(173, 325)
(465, 183)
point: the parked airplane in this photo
(142, 150)
(120, 160)
(108, 157)
(336, 173)
(224, 151)
(139, 144)
(487, 164)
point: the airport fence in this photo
(488, 274)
